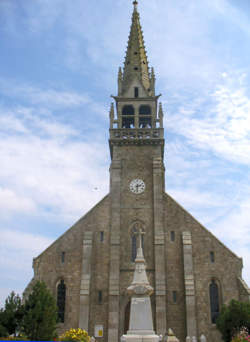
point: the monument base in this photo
(140, 338)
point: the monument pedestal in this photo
(139, 338)
(140, 323)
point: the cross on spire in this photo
(140, 234)
(135, 3)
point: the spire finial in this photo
(135, 3)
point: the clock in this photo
(137, 186)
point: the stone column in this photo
(114, 269)
(85, 281)
(159, 247)
(189, 284)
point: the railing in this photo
(135, 133)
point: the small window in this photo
(63, 257)
(136, 91)
(212, 257)
(174, 297)
(136, 53)
(99, 297)
(128, 62)
(145, 110)
(135, 68)
(101, 236)
(172, 235)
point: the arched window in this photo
(128, 110)
(61, 296)
(214, 301)
(145, 110)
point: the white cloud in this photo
(224, 126)
(234, 229)
(195, 198)
(47, 97)
(16, 271)
(20, 241)
(50, 170)
(11, 202)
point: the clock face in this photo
(137, 186)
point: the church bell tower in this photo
(136, 183)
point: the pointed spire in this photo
(136, 63)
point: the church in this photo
(90, 267)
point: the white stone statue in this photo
(194, 339)
(188, 339)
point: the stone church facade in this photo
(89, 268)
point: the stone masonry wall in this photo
(49, 268)
(225, 269)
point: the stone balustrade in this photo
(136, 134)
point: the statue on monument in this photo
(141, 321)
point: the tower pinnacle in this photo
(136, 63)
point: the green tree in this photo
(3, 330)
(39, 321)
(232, 318)
(12, 314)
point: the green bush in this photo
(3, 332)
(75, 335)
(233, 318)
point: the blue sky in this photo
(58, 67)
